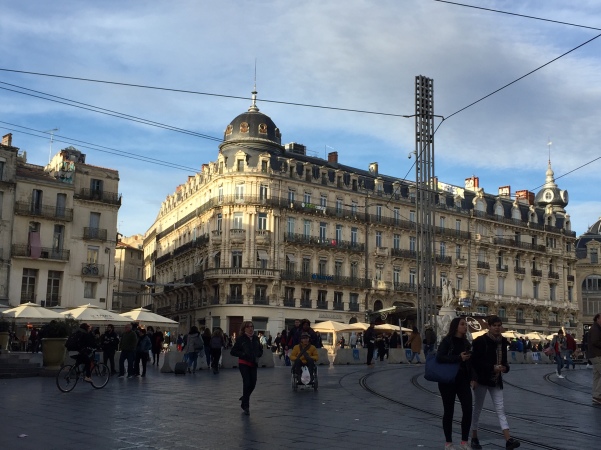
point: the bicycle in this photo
(69, 375)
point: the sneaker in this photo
(597, 400)
(588, 366)
(560, 376)
(87, 379)
(121, 376)
(449, 446)
(130, 376)
(476, 444)
(512, 443)
(464, 446)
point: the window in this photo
(570, 293)
(443, 249)
(290, 225)
(236, 291)
(264, 166)
(94, 224)
(481, 282)
(378, 239)
(306, 269)
(354, 269)
(262, 258)
(323, 201)
(322, 231)
(502, 312)
(519, 314)
(262, 221)
(289, 293)
(379, 271)
(552, 292)
(219, 222)
(306, 295)
(338, 268)
(290, 263)
(89, 289)
(458, 251)
(412, 216)
(92, 254)
(236, 258)
(260, 292)
(354, 208)
(353, 236)
(61, 203)
(307, 198)
(240, 165)
(412, 277)
(518, 287)
(1, 170)
(396, 241)
(594, 256)
(338, 233)
(354, 299)
(57, 241)
(457, 225)
(322, 297)
(338, 206)
(458, 282)
(338, 298)
(220, 194)
(263, 192)
(239, 192)
(442, 222)
(36, 201)
(307, 228)
(96, 187)
(379, 213)
(290, 196)
(396, 275)
(238, 220)
(482, 309)
(535, 289)
(412, 243)
(500, 285)
(443, 279)
(53, 288)
(220, 167)
(323, 267)
(217, 260)
(28, 282)
(397, 216)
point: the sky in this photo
(353, 54)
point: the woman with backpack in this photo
(216, 344)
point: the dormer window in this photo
(244, 127)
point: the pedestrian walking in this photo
(248, 350)
(109, 342)
(215, 345)
(415, 342)
(594, 350)
(127, 343)
(559, 345)
(192, 348)
(455, 348)
(369, 340)
(142, 348)
(157, 345)
(429, 340)
(489, 360)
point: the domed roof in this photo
(252, 126)
(595, 228)
(550, 194)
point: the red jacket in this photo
(571, 343)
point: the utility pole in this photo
(425, 188)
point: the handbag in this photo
(440, 372)
(549, 351)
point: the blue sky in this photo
(349, 54)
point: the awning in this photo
(291, 257)
(262, 254)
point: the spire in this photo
(253, 106)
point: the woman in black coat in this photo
(248, 349)
(455, 348)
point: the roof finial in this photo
(549, 143)
(253, 106)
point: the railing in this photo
(214, 300)
(450, 232)
(520, 270)
(405, 287)
(330, 243)
(45, 252)
(353, 306)
(520, 320)
(513, 243)
(570, 277)
(554, 275)
(97, 195)
(554, 323)
(261, 300)
(48, 212)
(28, 297)
(94, 233)
(338, 306)
(92, 269)
(403, 253)
(197, 243)
(323, 304)
(326, 279)
(483, 265)
(163, 258)
(537, 322)
(52, 300)
(290, 302)
(246, 271)
(536, 273)
(305, 303)
(443, 259)
(234, 300)
(502, 268)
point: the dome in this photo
(252, 126)
(550, 194)
(595, 229)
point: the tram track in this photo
(363, 382)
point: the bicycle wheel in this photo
(100, 375)
(66, 378)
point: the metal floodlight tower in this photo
(425, 199)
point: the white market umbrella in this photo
(391, 327)
(535, 336)
(511, 334)
(148, 318)
(476, 334)
(31, 312)
(95, 315)
(329, 326)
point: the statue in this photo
(448, 295)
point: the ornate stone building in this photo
(588, 270)
(269, 233)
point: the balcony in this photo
(502, 268)
(554, 323)
(520, 270)
(571, 278)
(322, 304)
(92, 269)
(536, 273)
(94, 234)
(216, 236)
(353, 306)
(97, 195)
(403, 253)
(290, 302)
(554, 275)
(240, 271)
(214, 300)
(325, 279)
(237, 235)
(338, 306)
(305, 303)
(483, 265)
(302, 239)
(381, 251)
(441, 259)
(45, 252)
(520, 320)
(537, 322)
(163, 259)
(263, 236)
(405, 287)
(261, 300)
(28, 297)
(234, 300)
(44, 211)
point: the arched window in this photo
(499, 210)
(378, 305)
(592, 283)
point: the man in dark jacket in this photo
(86, 344)
(370, 342)
(110, 343)
(594, 352)
(128, 344)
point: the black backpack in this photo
(73, 342)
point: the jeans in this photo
(143, 358)
(192, 360)
(109, 356)
(559, 361)
(249, 381)
(461, 389)
(128, 355)
(413, 355)
(496, 395)
(569, 361)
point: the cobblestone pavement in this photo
(356, 407)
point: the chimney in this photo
(373, 168)
(525, 196)
(333, 157)
(7, 140)
(472, 183)
(504, 191)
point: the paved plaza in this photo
(356, 407)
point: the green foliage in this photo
(60, 328)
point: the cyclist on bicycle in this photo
(86, 344)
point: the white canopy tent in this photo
(148, 318)
(94, 315)
(32, 313)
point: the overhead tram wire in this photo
(559, 22)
